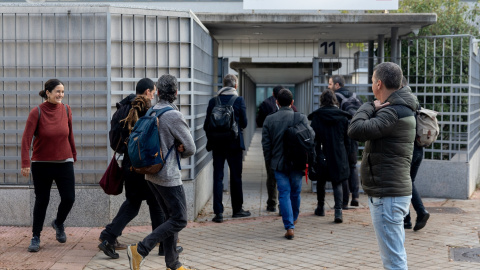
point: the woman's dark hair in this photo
(49, 86)
(167, 88)
(284, 98)
(328, 98)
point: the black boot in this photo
(338, 216)
(320, 211)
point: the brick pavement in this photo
(258, 242)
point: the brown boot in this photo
(289, 234)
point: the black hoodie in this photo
(330, 125)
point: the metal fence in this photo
(442, 71)
(99, 53)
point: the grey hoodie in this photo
(173, 127)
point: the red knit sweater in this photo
(54, 139)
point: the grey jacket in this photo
(173, 127)
(272, 135)
(389, 134)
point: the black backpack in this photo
(298, 145)
(350, 104)
(119, 132)
(222, 124)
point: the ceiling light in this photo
(256, 26)
(257, 33)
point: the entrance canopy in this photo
(340, 28)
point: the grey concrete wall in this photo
(443, 179)
(203, 188)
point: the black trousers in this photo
(137, 190)
(44, 173)
(174, 205)
(235, 163)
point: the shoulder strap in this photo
(232, 100)
(218, 101)
(342, 96)
(39, 113)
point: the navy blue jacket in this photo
(240, 111)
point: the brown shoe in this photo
(295, 222)
(116, 245)
(289, 234)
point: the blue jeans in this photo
(289, 188)
(387, 218)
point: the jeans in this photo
(416, 199)
(337, 194)
(127, 212)
(44, 173)
(235, 163)
(173, 203)
(271, 186)
(289, 188)
(387, 218)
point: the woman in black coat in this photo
(332, 144)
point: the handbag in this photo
(319, 170)
(112, 179)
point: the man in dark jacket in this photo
(387, 125)
(267, 107)
(136, 188)
(289, 181)
(230, 150)
(336, 83)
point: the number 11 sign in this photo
(328, 48)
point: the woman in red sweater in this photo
(52, 159)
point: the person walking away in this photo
(267, 107)
(422, 213)
(132, 108)
(227, 147)
(330, 125)
(52, 159)
(167, 185)
(336, 83)
(388, 128)
(289, 180)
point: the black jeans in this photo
(127, 212)
(44, 173)
(235, 163)
(416, 200)
(337, 193)
(136, 190)
(173, 203)
(353, 183)
(271, 186)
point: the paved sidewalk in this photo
(258, 242)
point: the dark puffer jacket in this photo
(330, 125)
(389, 134)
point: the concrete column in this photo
(381, 49)
(394, 45)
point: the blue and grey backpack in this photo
(144, 143)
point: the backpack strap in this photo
(232, 100)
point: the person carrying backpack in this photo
(129, 110)
(422, 214)
(166, 184)
(289, 179)
(336, 83)
(224, 123)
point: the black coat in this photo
(330, 125)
